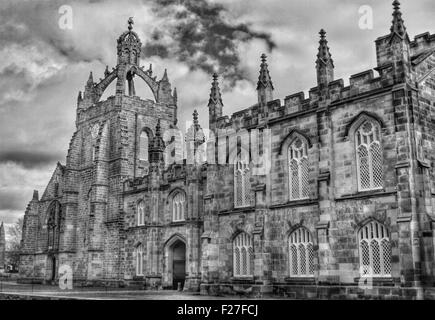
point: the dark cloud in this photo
(30, 159)
(201, 36)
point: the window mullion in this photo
(370, 158)
(381, 257)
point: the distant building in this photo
(2, 246)
(348, 194)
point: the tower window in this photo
(369, 156)
(298, 170)
(242, 185)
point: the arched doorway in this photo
(178, 264)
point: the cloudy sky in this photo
(42, 66)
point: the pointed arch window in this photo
(243, 255)
(141, 213)
(374, 250)
(178, 205)
(139, 260)
(298, 170)
(54, 228)
(143, 146)
(242, 185)
(301, 253)
(369, 156)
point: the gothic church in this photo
(304, 197)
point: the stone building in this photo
(2, 247)
(308, 198)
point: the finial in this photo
(398, 26)
(263, 58)
(106, 72)
(195, 117)
(130, 23)
(79, 98)
(322, 34)
(215, 76)
(35, 195)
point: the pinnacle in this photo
(398, 25)
(215, 94)
(195, 117)
(264, 80)
(324, 54)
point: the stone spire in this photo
(398, 26)
(264, 85)
(90, 82)
(215, 93)
(89, 88)
(215, 104)
(165, 76)
(194, 138)
(324, 62)
(157, 146)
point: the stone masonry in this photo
(87, 218)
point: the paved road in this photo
(45, 291)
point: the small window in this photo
(243, 255)
(143, 146)
(375, 250)
(178, 205)
(139, 260)
(298, 170)
(301, 253)
(141, 213)
(369, 156)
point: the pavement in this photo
(37, 291)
